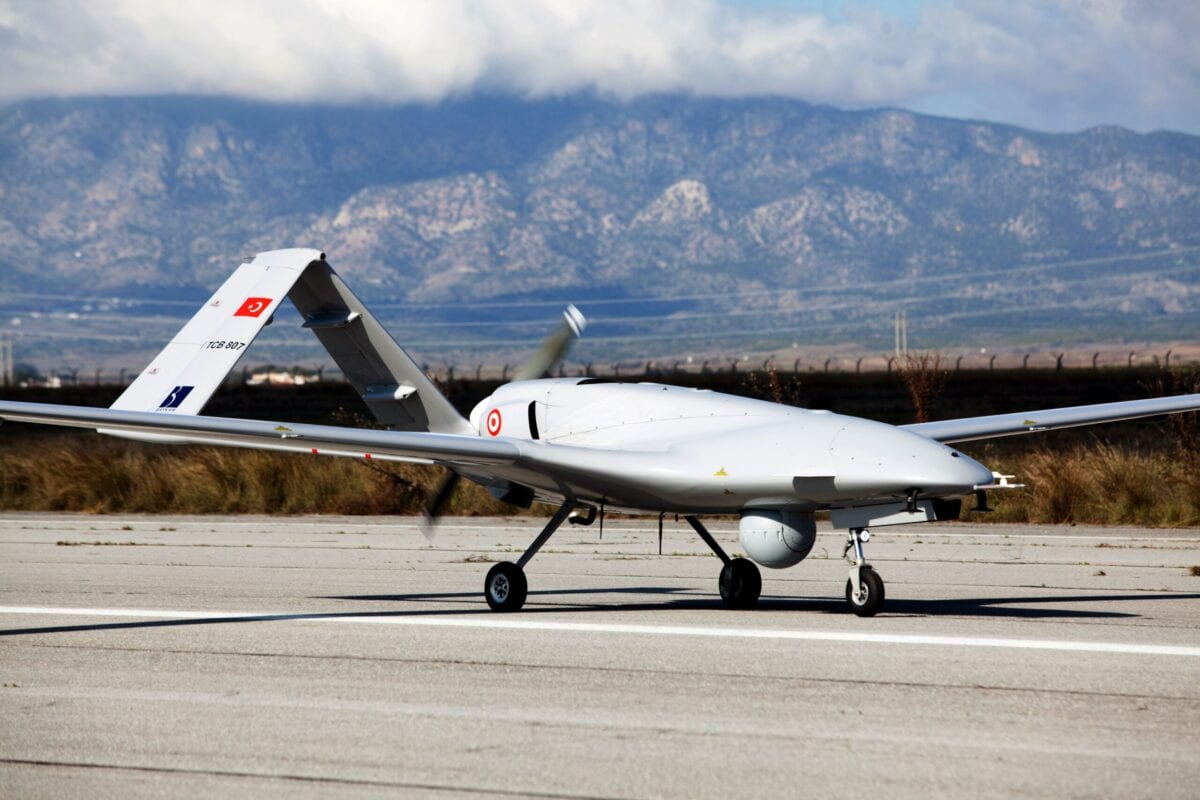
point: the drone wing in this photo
(453, 450)
(997, 425)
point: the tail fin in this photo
(389, 382)
(182, 378)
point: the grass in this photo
(1131, 481)
(1097, 483)
(99, 475)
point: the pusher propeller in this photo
(541, 364)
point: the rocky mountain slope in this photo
(741, 218)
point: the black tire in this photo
(872, 598)
(505, 587)
(740, 583)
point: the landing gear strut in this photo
(505, 587)
(864, 590)
(740, 582)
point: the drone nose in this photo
(963, 473)
(871, 456)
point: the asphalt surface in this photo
(316, 657)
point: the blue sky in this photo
(1057, 65)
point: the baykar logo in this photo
(253, 307)
(176, 397)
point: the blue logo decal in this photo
(176, 396)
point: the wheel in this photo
(505, 587)
(740, 583)
(871, 599)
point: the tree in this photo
(924, 377)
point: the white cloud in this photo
(1052, 65)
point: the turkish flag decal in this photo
(253, 307)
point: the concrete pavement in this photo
(317, 656)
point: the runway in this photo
(157, 656)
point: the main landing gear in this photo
(505, 587)
(864, 590)
(740, 582)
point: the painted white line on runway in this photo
(508, 623)
(469, 525)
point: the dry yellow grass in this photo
(1101, 484)
(101, 475)
(1089, 483)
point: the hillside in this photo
(685, 223)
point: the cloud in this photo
(1050, 65)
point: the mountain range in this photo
(679, 224)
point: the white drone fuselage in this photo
(648, 447)
(653, 448)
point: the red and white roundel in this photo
(493, 422)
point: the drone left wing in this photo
(997, 425)
(452, 450)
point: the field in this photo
(1141, 473)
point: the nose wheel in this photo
(867, 601)
(864, 590)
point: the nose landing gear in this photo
(864, 589)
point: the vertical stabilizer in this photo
(389, 382)
(185, 374)
(182, 378)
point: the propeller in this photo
(436, 502)
(540, 365)
(554, 346)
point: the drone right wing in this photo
(997, 425)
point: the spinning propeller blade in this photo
(548, 355)
(554, 347)
(437, 501)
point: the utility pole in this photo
(6, 360)
(901, 333)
